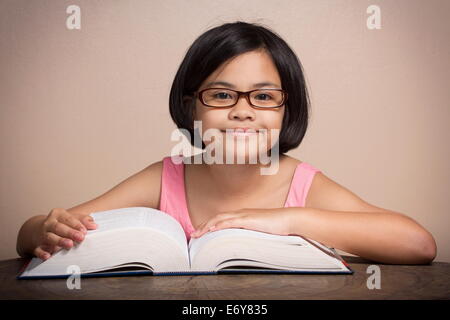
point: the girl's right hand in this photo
(59, 230)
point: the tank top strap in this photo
(300, 184)
(173, 195)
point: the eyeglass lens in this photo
(260, 98)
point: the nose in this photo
(242, 110)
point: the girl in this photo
(236, 77)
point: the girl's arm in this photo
(386, 237)
(342, 219)
(338, 218)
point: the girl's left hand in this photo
(275, 221)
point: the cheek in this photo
(273, 120)
(206, 120)
(280, 118)
(210, 118)
(274, 124)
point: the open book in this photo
(139, 240)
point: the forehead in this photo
(246, 70)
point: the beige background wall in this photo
(81, 110)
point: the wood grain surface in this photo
(397, 282)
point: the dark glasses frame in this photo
(199, 94)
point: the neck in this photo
(237, 180)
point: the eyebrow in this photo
(229, 85)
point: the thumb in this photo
(89, 222)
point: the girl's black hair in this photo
(219, 44)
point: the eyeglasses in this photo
(259, 98)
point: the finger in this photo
(227, 223)
(196, 231)
(56, 249)
(208, 225)
(50, 248)
(53, 249)
(88, 222)
(235, 222)
(41, 253)
(201, 228)
(65, 231)
(73, 222)
(53, 240)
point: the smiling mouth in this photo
(240, 132)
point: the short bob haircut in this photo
(219, 44)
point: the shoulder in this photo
(327, 194)
(146, 184)
(289, 162)
(154, 170)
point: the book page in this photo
(138, 217)
(137, 246)
(136, 236)
(195, 244)
(241, 247)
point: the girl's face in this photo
(243, 72)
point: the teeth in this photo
(240, 131)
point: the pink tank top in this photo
(173, 195)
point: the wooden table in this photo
(397, 282)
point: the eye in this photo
(222, 95)
(264, 95)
